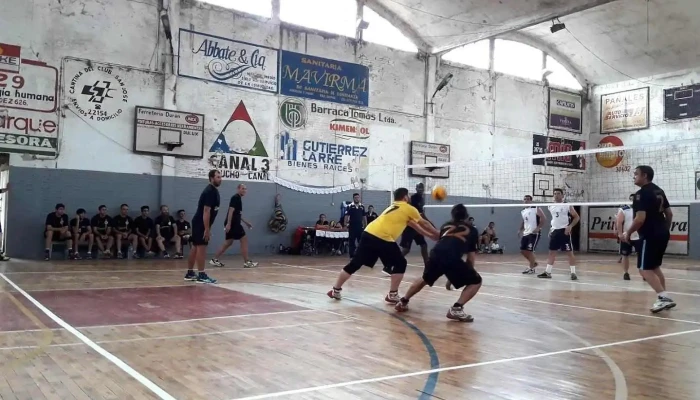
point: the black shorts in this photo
(410, 235)
(529, 242)
(167, 235)
(651, 252)
(628, 248)
(372, 248)
(473, 241)
(236, 232)
(560, 241)
(459, 272)
(197, 237)
(57, 237)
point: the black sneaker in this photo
(626, 276)
(47, 255)
(166, 255)
(178, 256)
(204, 278)
(190, 276)
(529, 271)
(545, 275)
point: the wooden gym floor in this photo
(136, 330)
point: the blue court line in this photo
(432, 380)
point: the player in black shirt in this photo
(143, 230)
(207, 208)
(82, 232)
(371, 214)
(355, 219)
(122, 229)
(652, 220)
(446, 259)
(166, 232)
(184, 228)
(233, 227)
(409, 235)
(102, 229)
(58, 230)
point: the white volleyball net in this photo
(595, 177)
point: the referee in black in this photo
(355, 221)
(652, 220)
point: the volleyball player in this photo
(533, 220)
(560, 235)
(652, 220)
(207, 208)
(623, 222)
(378, 242)
(446, 259)
(472, 247)
(233, 226)
(410, 235)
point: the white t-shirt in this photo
(530, 222)
(629, 219)
(560, 216)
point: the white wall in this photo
(674, 165)
(479, 117)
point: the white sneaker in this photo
(662, 304)
(458, 314)
(334, 294)
(392, 298)
(250, 264)
(216, 262)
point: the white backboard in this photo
(154, 128)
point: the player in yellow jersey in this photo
(378, 241)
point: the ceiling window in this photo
(382, 32)
(340, 18)
(560, 76)
(474, 54)
(256, 7)
(518, 59)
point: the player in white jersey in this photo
(533, 220)
(560, 234)
(623, 223)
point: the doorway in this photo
(576, 231)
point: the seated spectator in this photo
(143, 229)
(101, 225)
(184, 228)
(165, 233)
(122, 228)
(371, 214)
(322, 224)
(58, 230)
(487, 236)
(82, 234)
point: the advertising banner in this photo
(565, 111)
(547, 145)
(624, 111)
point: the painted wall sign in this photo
(227, 61)
(98, 92)
(293, 113)
(429, 153)
(28, 98)
(238, 151)
(613, 158)
(547, 145)
(602, 234)
(324, 79)
(565, 111)
(624, 111)
(313, 154)
(10, 57)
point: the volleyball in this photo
(439, 193)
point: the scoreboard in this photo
(682, 102)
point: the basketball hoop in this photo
(172, 145)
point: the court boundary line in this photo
(464, 366)
(531, 300)
(187, 336)
(155, 389)
(123, 271)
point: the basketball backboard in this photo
(160, 132)
(542, 185)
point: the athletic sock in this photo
(337, 289)
(457, 305)
(549, 268)
(404, 300)
(393, 291)
(573, 269)
(663, 294)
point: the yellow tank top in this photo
(392, 221)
